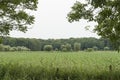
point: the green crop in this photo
(101, 65)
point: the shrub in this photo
(9, 48)
(76, 46)
(68, 47)
(1, 47)
(95, 48)
(22, 48)
(48, 48)
(89, 49)
(6, 48)
(64, 49)
(56, 49)
(106, 48)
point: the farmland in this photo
(97, 65)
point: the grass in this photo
(60, 65)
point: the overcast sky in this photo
(51, 22)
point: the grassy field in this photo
(60, 65)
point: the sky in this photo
(51, 22)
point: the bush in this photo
(56, 49)
(89, 49)
(22, 48)
(13, 49)
(6, 48)
(106, 48)
(48, 48)
(63, 48)
(95, 48)
(1, 47)
(9, 48)
(66, 47)
(76, 46)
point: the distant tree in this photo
(38, 44)
(13, 49)
(89, 43)
(21, 48)
(48, 48)
(63, 48)
(6, 48)
(106, 48)
(95, 48)
(76, 46)
(1, 47)
(68, 47)
(89, 49)
(56, 49)
(14, 15)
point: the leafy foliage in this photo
(63, 48)
(9, 48)
(66, 47)
(106, 48)
(95, 48)
(48, 48)
(58, 44)
(14, 16)
(76, 46)
(89, 49)
(105, 12)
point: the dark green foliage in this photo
(95, 48)
(106, 48)
(38, 44)
(48, 48)
(66, 47)
(6, 48)
(14, 15)
(63, 48)
(77, 46)
(9, 48)
(104, 12)
(89, 49)
(56, 49)
(1, 47)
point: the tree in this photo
(14, 15)
(76, 46)
(106, 48)
(105, 12)
(95, 48)
(48, 48)
(68, 47)
(63, 48)
(89, 49)
(6, 48)
(1, 47)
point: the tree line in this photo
(71, 44)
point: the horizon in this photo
(53, 38)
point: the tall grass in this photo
(59, 66)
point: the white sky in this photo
(51, 22)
